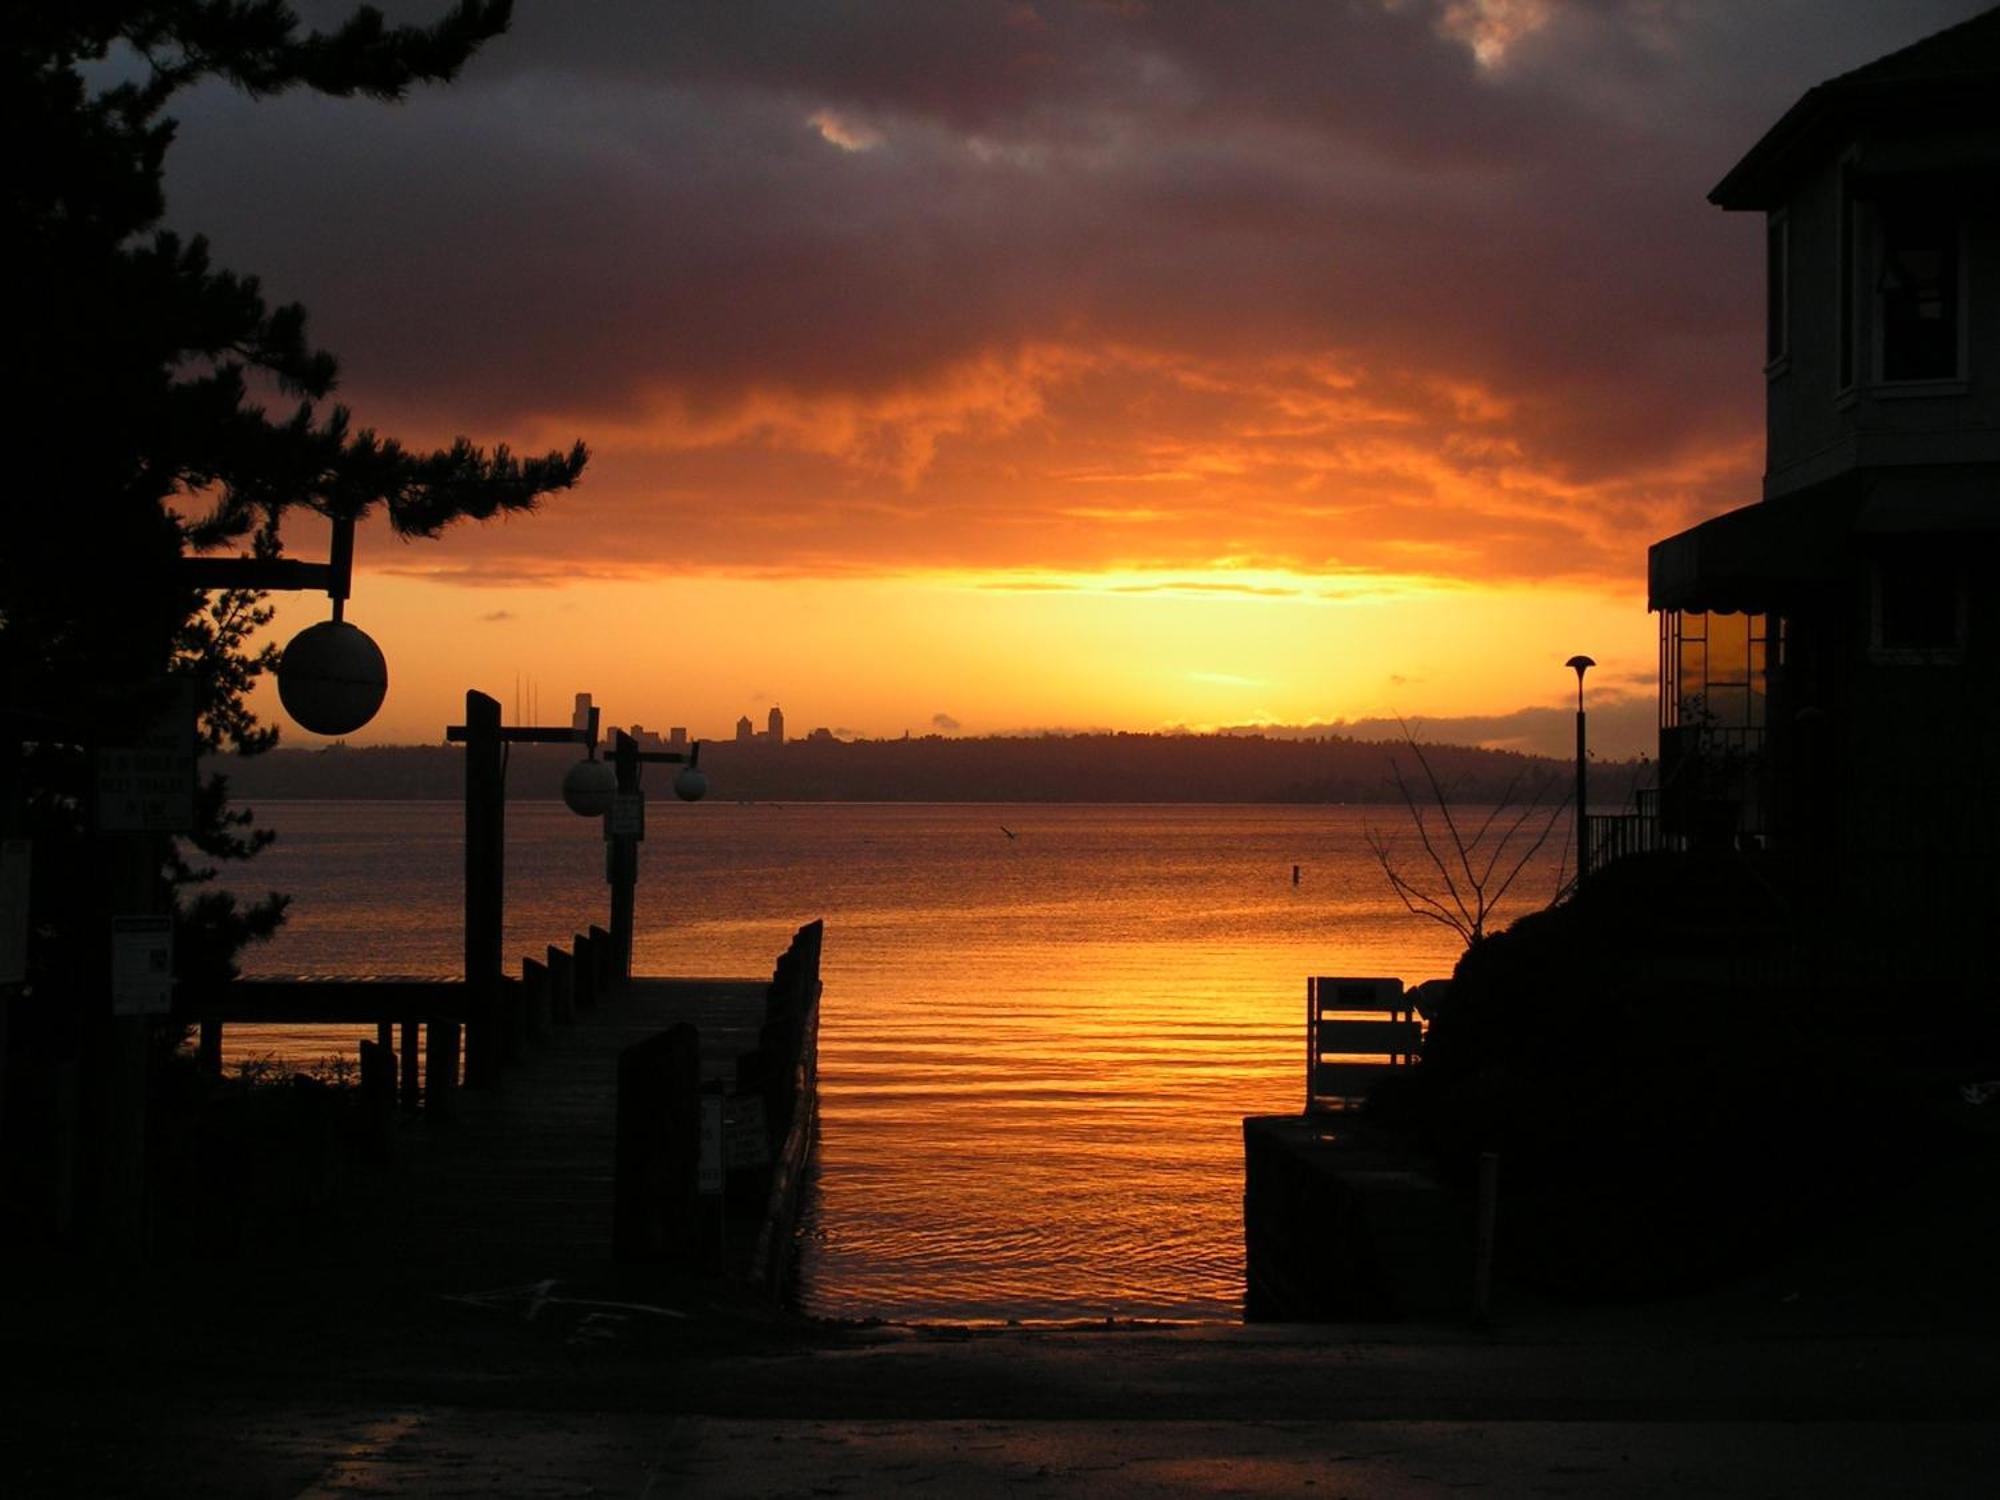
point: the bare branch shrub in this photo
(1464, 872)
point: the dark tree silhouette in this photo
(140, 378)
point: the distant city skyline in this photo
(1624, 724)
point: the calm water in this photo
(1035, 1051)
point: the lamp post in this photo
(1580, 665)
(332, 676)
(625, 826)
(331, 679)
(586, 791)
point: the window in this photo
(1715, 672)
(1776, 292)
(1917, 293)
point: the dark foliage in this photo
(160, 406)
(1675, 1098)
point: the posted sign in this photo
(142, 965)
(745, 1141)
(148, 785)
(627, 818)
(708, 1163)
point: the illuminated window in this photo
(1716, 666)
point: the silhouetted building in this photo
(1829, 654)
(776, 732)
(579, 719)
(744, 733)
(677, 739)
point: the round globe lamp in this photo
(332, 678)
(590, 787)
(690, 785)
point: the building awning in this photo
(1920, 502)
(1763, 557)
(1752, 559)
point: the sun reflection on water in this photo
(1035, 1051)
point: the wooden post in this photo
(562, 986)
(117, 1052)
(485, 838)
(1482, 1249)
(622, 867)
(411, 1066)
(604, 975)
(378, 1093)
(655, 1160)
(583, 973)
(513, 1007)
(535, 986)
(208, 1051)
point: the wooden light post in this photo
(331, 679)
(625, 826)
(483, 735)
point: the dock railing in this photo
(421, 1072)
(701, 1165)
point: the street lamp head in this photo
(332, 678)
(1579, 665)
(690, 785)
(590, 787)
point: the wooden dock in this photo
(650, 1121)
(525, 1170)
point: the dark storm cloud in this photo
(749, 227)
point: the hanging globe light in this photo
(590, 787)
(690, 785)
(332, 678)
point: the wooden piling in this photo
(1483, 1234)
(562, 986)
(485, 850)
(605, 955)
(659, 1125)
(378, 1094)
(412, 1066)
(583, 972)
(535, 989)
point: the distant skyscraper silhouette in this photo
(580, 719)
(777, 723)
(744, 732)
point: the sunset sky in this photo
(1009, 366)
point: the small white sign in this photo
(142, 965)
(627, 818)
(13, 911)
(745, 1140)
(148, 785)
(708, 1177)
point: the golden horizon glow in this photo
(983, 652)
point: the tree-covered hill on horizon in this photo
(1050, 768)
